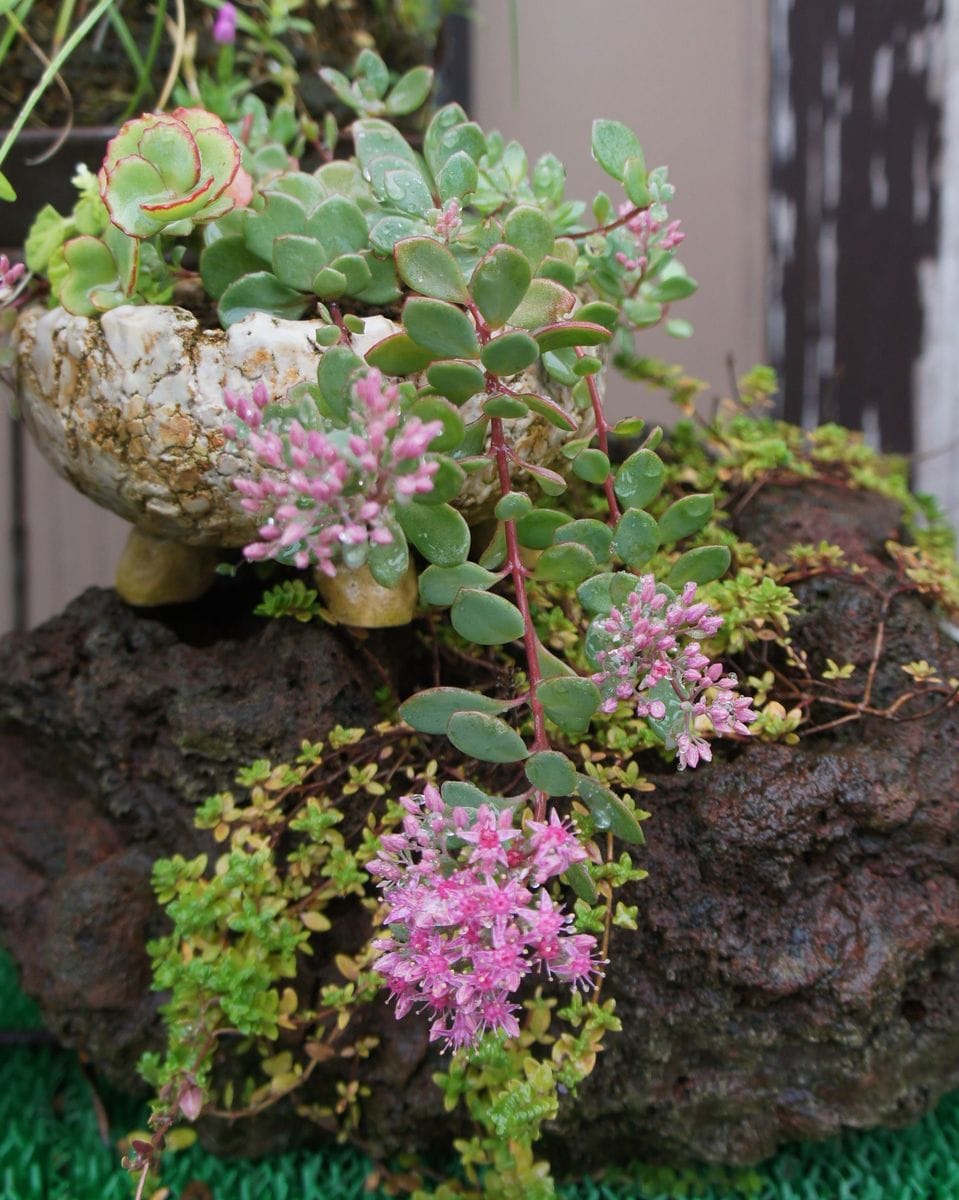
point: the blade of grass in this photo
(51, 72)
(156, 38)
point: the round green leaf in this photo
(509, 353)
(629, 427)
(506, 407)
(297, 260)
(580, 880)
(512, 506)
(499, 283)
(429, 268)
(457, 381)
(485, 618)
(447, 481)
(684, 517)
(637, 537)
(441, 328)
(398, 354)
(356, 270)
(608, 810)
(639, 479)
(598, 312)
(594, 535)
(545, 303)
(484, 737)
(634, 181)
(259, 292)
(430, 711)
(458, 177)
(335, 376)
(569, 563)
(457, 793)
(440, 585)
(569, 701)
(543, 406)
(556, 268)
(702, 565)
(675, 287)
(591, 465)
(435, 408)
(388, 563)
(438, 531)
(329, 284)
(531, 231)
(551, 772)
(535, 531)
(223, 262)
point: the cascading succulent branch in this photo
(455, 291)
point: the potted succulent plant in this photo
(387, 370)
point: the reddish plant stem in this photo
(518, 573)
(624, 219)
(602, 436)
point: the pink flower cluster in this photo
(326, 494)
(651, 639)
(224, 28)
(649, 234)
(8, 278)
(469, 916)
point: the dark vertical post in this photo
(855, 127)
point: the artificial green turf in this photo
(50, 1150)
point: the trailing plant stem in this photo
(519, 572)
(602, 437)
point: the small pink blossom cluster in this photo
(8, 278)
(648, 234)
(448, 221)
(470, 917)
(651, 639)
(323, 495)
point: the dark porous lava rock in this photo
(796, 966)
(114, 724)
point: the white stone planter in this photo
(129, 408)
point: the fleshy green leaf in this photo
(485, 618)
(430, 269)
(508, 408)
(637, 537)
(701, 565)
(225, 261)
(531, 231)
(329, 284)
(441, 328)
(639, 479)
(430, 711)
(485, 737)
(571, 333)
(458, 177)
(568, 563)
(591, 465)
(438, 531)
(545, 302)
(260, 292)
(551, 772)
(410, 91)
(608, 811)
(613, 144)
(512, 506)
(594, 535)
(457, 793)
(684, 517)
(335, 376)
(499, 283)
(435, 408)
(509, 353)
(535, 531)
(543, 406)
(389, 563)
(388, 231)
(569, 701)
(634, 181)
(447, 482)
(6, 189)
(296, 260)
(598, 312)
(674, 287)
(579, 879)
(439, 585)
(457, 381)
(398, 354)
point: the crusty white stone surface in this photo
(129, 408)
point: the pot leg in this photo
(154, 571)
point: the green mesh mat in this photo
(50, 1149)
